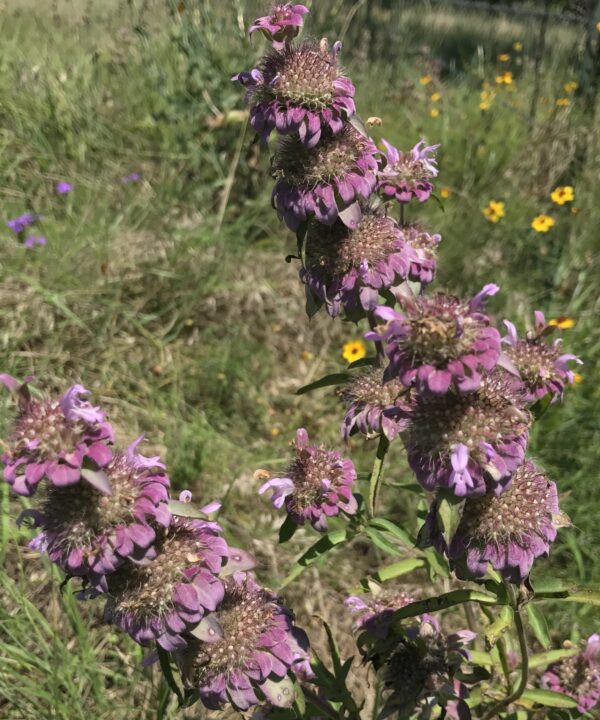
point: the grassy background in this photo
(170, 298)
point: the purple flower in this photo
(246, 650)
(424, 253)
(163, 599)
(578, 676)
(349, 268)
(371, 405)
(282, 25)
(88, 531)
(542, 366)
(18, 224)
(53, 439)
(132, 177)
(32, 240)
(468, 442)
(408, 174)
(376, 612)
(63, 188)
(298, 90)
(317, 485)
(439, 342)
(508, 531)
(325, 181)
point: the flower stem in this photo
(318, 702)
(518, 691)
(375, 479)
(378, 344)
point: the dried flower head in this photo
(578, 676)
(282, 25)
(542, 366)
(317, 485)
(348, 268)
(90, 531)
(163, 599)
(509, 531)
(53, 438)
(439, 342)
(468, 443)
(325, 181)
(299, 90)
(408, 174)
(372, 405)
(247, 651)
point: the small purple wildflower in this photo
(439, 342)
(298, 90)
(165, 598)
(87, 532)
(578, 676)
(326, 181)
(349, 268)
(542, 366)
(132, 177)
(53, 438)
(468, 442)
(317, 485)
(424, 250)
(18, 224)
(63, 188)
(249, 645)
(372, 405)
(32, 240)
(509, 531)
(282, 25)
(408, 174)
(376, 612)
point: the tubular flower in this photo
(371, 405)
(246, 651)
(298, 90)
(325, 181)
(542, 366)
(467, 442)
(349, 268)
(578, 676)
(163, 599)
(509, 531)
(54, 438)
(376, 612)
(317, 485)
(90, 530)
(440, 342)
(408, 174)
(282, 25)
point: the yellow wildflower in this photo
(445, 192)
(425, 79)
(436, 97)
(354, 350)
(562, 323)
(504, 57)
(542, 223)
(577, 378)
(434, 112)
(307, 355)
(598, 26)
(574, 210)
(517, 46)
(505, 78)
(563, 102)
(494, 211)
(562, 194)
(484, 105)
(571, 86)
(275, 431)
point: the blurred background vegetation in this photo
(168, 296)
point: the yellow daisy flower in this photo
(445, 193)
(517, 46)
(494, 211)
(434, 112)
(562, 323)
(425, 79)
(354, 350)
(505, 78)
(503, 57)
(571, 86)
(542, 223)
(484, 105)
(577, 378)
(562, 194)
(436, 97)
(563, 102)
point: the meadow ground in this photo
(166, 292)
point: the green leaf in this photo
(287, 529)
(402, 567)
(540, 408)
(398, 532)
(549, 698)
(368, 361)
(442, 602)
(449, 513)
(538, 624)
(328, 380)
(547, 658)
(478, 657)
(436, 563)
(299, 701)
(314, 552)
(501, 624)
(587, 596)
(313, 303)
(182, 509)
(381, 542)
(165, 665)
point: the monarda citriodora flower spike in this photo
(439, 343)
(54, 438)
(282, 25)
(578, 676)
(468, 442)
(542, 365)
(246, 652)
(87, 532)
(408, 174)
(317, 484)
(324, 182)
(508, 531)
(298, 90)
(349, 268)
(163, 599)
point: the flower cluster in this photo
(408, 174)
(578, 676)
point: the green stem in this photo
(318, 702)
(375, 479)
(378, 343)
(518, 691)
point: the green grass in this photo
(171, 300)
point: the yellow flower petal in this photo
(445, 193)
(354, 350)
(563, 322)
(425, 79)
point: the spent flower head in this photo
(282, 24)
(578, 676)
(408, 174)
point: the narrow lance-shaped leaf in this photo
(548, 698)
(314, 552)
(547, 658)
(538, 624)
(327, 381)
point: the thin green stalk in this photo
(378, 344)
(376, 473)
(318, 702)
